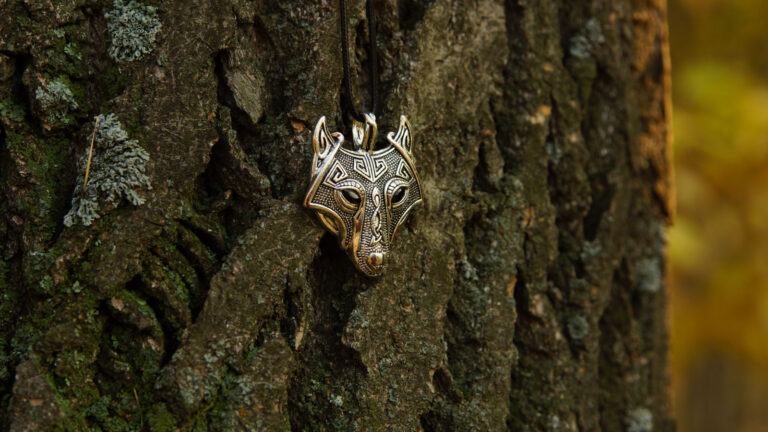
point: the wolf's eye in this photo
(351, 196)
(349, 199)
(398, 197)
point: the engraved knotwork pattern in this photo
(336, 174)
(402, 171)
(363, 196)
(376, 222)
(369, 168)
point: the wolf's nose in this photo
(376, 259)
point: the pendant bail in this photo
(364, 135)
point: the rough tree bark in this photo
(526, 295)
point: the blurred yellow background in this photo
(718, 246)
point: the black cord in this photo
(357, 115)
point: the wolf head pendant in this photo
(363, 195)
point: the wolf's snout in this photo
(376, 259)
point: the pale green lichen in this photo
(73, 50)
(648, 275)
(580, 47)
(639, 420)
(118, 170)
(57, 101)
(588, 40)
(578, 327)
(554, 151)
(133, 29)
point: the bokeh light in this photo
(718, 247)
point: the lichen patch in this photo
(118, 170)
(57, 101)
(133, 29)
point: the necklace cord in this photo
(348, 100)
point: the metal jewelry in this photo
(362, 194)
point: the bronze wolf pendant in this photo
(364, 195)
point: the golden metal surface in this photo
(363, 195)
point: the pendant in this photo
(364, 195)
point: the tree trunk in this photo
(527, 294)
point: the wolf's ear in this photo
(323, 141)
(403, 139)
